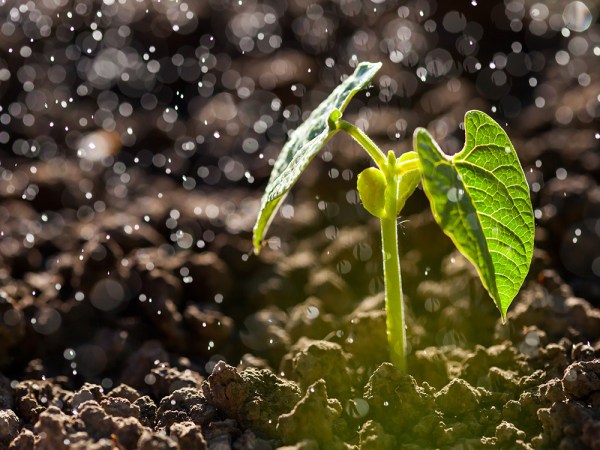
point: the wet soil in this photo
(132, 312)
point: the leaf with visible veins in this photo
(480, 199)
(304, 143)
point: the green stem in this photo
(392, 169)
(394, 304)
(364, 140)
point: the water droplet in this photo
(362, 252)
(357, 407)
(47, 321)
(69, 354)
(287, 211)
(455, 194)
(312, 312)
(432, 304)
(571, 375)
(577, 16)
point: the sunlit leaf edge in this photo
(503, 297)
(299, 151)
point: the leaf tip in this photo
(375, 65)
(472, 114)
(418, 136)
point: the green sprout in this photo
(479, 197)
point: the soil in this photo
(136, 139)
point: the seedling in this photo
(479, 197)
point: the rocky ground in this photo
(135, 140)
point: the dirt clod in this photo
(310, 361)
(188, 436)
(253, 397)
(582, 378)
(300, 421)
(9, 425)
(458, 397)
(373, 437)
(395, 399)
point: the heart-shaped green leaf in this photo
(304, 143)
(480, 198)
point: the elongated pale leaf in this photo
(480, 198)
(304, 143)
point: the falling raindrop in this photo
(344, 266)
(312, 312)
(357, 408)
(577, 16)
(455, 194)
(561, 173)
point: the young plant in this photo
(479, 197)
